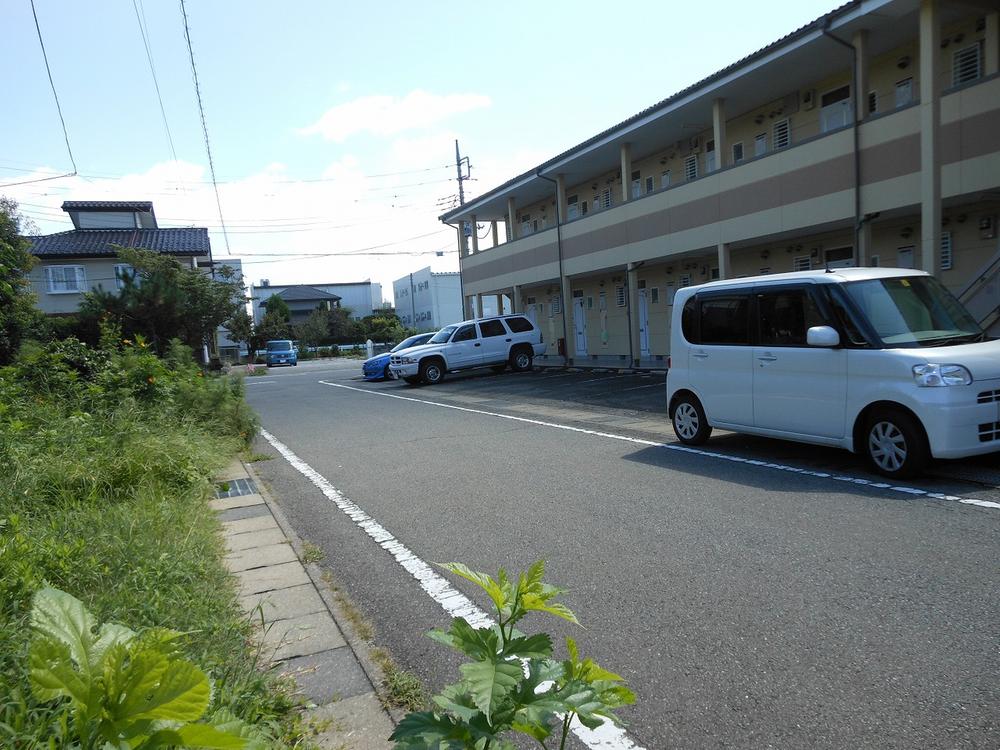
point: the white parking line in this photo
(651, 385)
(912, 491)
(453, 602)
(598, 380)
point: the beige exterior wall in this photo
(99, 272)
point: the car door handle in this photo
(700, 355)
(508, 340)
(477, 343)
(767, 358)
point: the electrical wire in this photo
(40, 179)
(141, 20)
(55, 96)
(204, 124)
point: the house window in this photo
(691, 167)
(710, 157)
(760, 144)
(966, 65)
(836, 109)
(802, 263)
(782, 134)
(872, 102)
(65, 279)
(620, 296)
(737, 152)
(904, 92)
(654, 295)
(665, 178)
(572, 207)
(649, 185)
(946, 254)
(123, 273)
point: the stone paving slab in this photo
(358, 723)
(272, 554)
(235, 470)
(327, 676)
(250, 511)
(240, 501)
(284, 603)
(272, 577)
(236, 542)
(258, 522)
(300, 636)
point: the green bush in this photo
(106, 459)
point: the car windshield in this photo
(914, 311)
(442, 336)
(412, 341)
(279, 346)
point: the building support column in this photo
(499, 297)
(569, 332)
(632, 308)
(496, 233)
(862, 63)
(930, 123)
(719, 133)
(458, 237)
(991, 63)
(515, 298)
(475, 234)
(478, 312)
(512, 220)
(562, 206)
(626, 160)
(863, 253)
(725, 256)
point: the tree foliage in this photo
(277, 306)
(18, 314)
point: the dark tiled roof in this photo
(107, 206)
(101, 242)
(303, 293)
(819, 23)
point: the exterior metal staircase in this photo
(981, 296)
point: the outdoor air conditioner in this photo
(808, 98)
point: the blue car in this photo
(377, 368)
(282, 352)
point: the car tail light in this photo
(668, 361)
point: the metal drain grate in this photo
(236, 487)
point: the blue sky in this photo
(332, 125)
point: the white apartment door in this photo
(644, 322)
(531, 313)
(580, 325)
(836, 109)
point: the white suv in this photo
(880, 361)
(489, 342)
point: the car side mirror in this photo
(822, 336)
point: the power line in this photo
(204, 124)
(40, 179)
(141, 20)
(53, 85)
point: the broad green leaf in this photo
(479, 643)
(538, 646)
(110, 635)
(52, 674)
(427, 726)
(533, 577)
(205, 735)
(457, 700)
(178, 692)
(539, 731)
(536, 603)
(495, 590)
(61, 617)
(490, 682)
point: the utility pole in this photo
(459, 162)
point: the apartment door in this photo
(580, 324)
(644, 322)
(531, 313)
(836, 109)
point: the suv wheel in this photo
(520, 360)
(432, 371)
(895, 445)
(689, 421)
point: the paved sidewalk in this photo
(299, 635)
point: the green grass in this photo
(104, 491)
(402, 688)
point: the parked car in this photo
(282, 352)
(880, 361)
(377, 367)
(507, 340)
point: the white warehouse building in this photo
(427, 300)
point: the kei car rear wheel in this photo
(689, 421)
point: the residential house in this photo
(362, 298)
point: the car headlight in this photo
(928, 376)
(406, 360)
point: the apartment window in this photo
(685, 280)
(691, 167)
(606, 198)
(760, 144)
(665, 179)
(782, 134)
(904, 257)
(872, 102)
(802, 263)
(529, 301)
(65, 279)
(534, 225)
(836, 109)
(556, 304)
(904, 92)
(710, 157)
(583, 208)
(572, 207)
(650, 185)
(966, 64)
(620, 296)
(654, 295)
(590, 302)
(737, 152)
(946, 254)
(636, 184)
(525, 224)
(602, 300)
(123, 273)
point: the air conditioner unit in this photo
(808, 98)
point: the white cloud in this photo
(388, 115)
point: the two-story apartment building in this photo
(86, 257)
(868, 137)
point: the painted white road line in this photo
(913, 491)
(453, 602)
(638, 387)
